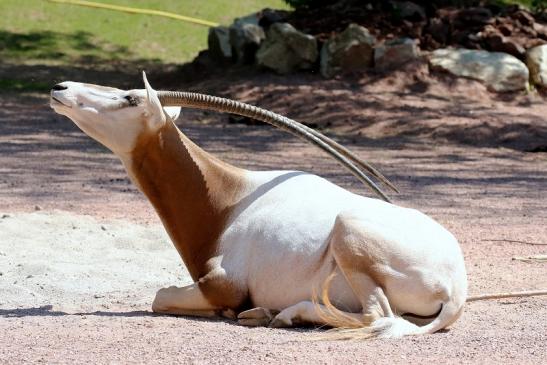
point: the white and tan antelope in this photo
(263, 244)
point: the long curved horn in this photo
(344, 151)
(347, 153)
(340, 153)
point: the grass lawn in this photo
(41, 32)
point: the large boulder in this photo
(245, 38)
(286, 50)
(500, 72)
(536, 59)
(351, 50)
(218, 42)
(395, 53)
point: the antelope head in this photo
(113, 117)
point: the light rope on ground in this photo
(127, 9)
(520, 294)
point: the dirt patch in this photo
(62, 261)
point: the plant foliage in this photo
(539, 5)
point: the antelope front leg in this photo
(186, 301)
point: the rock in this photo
(524, 17)
(409, 10)
(218, 42)
(499, 71)
(506, 29)
(541, 30)
(286, 49)
(351, 50)
(245, 38)
(252, 18)
(270, 17)
(536, 59)
(470, 17)
(395, 53)
(439, 30)
(499, 43)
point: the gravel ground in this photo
(73, 292)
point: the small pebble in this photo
(37, 208)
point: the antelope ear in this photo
(157, 112)
(172, 112)
(152, 101)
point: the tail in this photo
(346, 327)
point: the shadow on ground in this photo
(34, 61)
(47, 311)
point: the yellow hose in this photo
(127, 9)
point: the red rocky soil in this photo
(509, 29)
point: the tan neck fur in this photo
(192, 191)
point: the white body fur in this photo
(288, 231)
(275, 238)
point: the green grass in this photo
(40, 32)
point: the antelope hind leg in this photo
(358, 256)
(371, 296)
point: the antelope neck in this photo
(192, 192)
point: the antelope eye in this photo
(131, 100)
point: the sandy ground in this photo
(82, 253)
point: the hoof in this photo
(280, 323)
(256, 317)
(228, 313)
